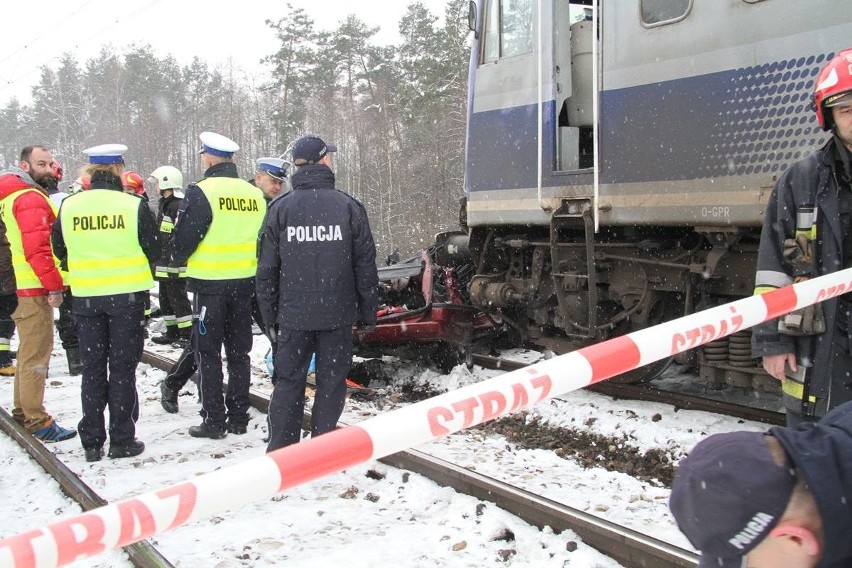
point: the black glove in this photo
(366, 327)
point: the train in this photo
(619, 158)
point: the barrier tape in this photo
(135, 519)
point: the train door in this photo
(574, 25)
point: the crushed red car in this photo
(425, 312)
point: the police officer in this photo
(807, 231)
(107, 240)
(174, 303)
(316, 277)
(216, 238)
(269, 177)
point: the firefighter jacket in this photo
(317, 261)
(216, 238)
(810, 181)
(166, 219)
(107, 239)
(822, 452)
(29, 215)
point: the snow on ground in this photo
(372, 514)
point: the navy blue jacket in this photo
(822, 451)
(809, 181)
(317, 262)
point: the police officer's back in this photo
(316, 278)
(216, 237)
(107, 240)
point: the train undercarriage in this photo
(564, 288)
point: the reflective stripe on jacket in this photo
(101, 232)
(228, 250)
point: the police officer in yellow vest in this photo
(108, 239)
(216, 237)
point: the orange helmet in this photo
(833, 86)
(132, 180)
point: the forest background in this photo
(396, 113)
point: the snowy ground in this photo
(372, 514)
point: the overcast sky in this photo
(38, 34)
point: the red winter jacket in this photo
(35, 218)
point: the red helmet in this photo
(132, 180)
(832, 86)
(57, 170)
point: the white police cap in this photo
(275, 167)
(217, 145)
(106, 154)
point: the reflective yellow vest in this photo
(229, 249)
(101, 232)
(25, 276)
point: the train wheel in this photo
(662, 307)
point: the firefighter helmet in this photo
(168, 177)
(833, 86)
(131, 180)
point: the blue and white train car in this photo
(620, 155)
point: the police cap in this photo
(217, 145)
(275, 167)
(106, 154)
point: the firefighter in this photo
(107, 240)
(807, 232)
(216, 238)
(174, 302)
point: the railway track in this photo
(649, 393)
(628, 547)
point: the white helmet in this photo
(168, 177)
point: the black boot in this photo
(205, 430)
(94, 453)
(168, 398)
(183, 338)
(167, 338)
(75, 365)
(127, 450)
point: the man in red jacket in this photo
(28, 215)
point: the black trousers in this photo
(8, 304)
(65, 325)
(226, 320)
(185, 366)
(174, 301)
(333, 350)
(839, 369)
(110, 332)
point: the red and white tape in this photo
(132, 520)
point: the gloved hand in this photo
(366, 327)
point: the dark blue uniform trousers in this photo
(333, 350)
(227, 319)
(110, 330)
(185, 366)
